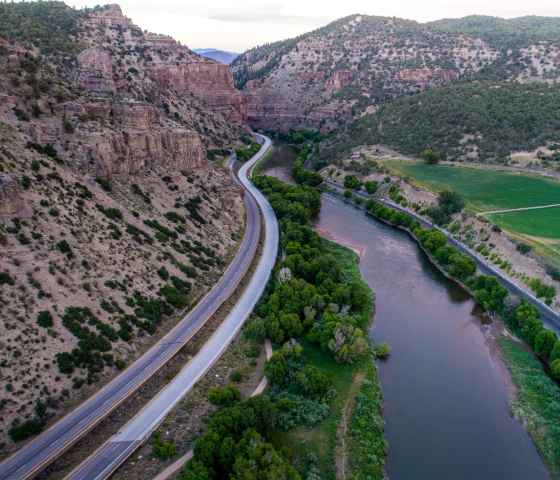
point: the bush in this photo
(351, 182)
(64, 247)
(555, 369)
(45, 319)
(524, 248)
(382, 351)
(104, 183)
(163, 450)
(371, 187)
(224, 397)
(6, 279)
(22, 431)
(236, 376)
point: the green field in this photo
(487, 190)
(540, 223)
(483, 189)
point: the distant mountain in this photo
(220, 56)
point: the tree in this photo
(44, 319)
(451, 202)
(371, 187)
(352, 182)
(257, 459)
(431, 157)
(544, 343)
(555, 354)
(488, 293)
(224, 397)
(555, 369)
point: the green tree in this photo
(544, 343)
(351, 182)
(555, 369)
(224, 397)
(371, 187)
(431, 157)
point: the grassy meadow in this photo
(488, 190)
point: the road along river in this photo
(446, 392)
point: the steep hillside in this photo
(529, 46)
(475, 121)
(112, 219)
(347, 69)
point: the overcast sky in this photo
(242, 24)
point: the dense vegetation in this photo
(503, 33)
(51, 26)
(314, 304)
(538, 401)
(496, 118)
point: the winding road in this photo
(39, 452)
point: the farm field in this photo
(486, 190)
(483, 189)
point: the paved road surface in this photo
(39, 452)
(550, 317)
(113, 453)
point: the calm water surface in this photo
(446, 395)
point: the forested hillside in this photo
(353, 66)
(472, 121)
(503, 33)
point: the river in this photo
(446, 392)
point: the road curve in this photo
(42, 450)
(102, 463)
(550, 317)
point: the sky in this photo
(242, 24)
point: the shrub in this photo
(524, 248)
(555, 369)
(6, 279)
(45, 319)
(104, 183)
(382, 351)
(236, 376)
(224, 397)
(22, 431)
(163, 450)
(64, 247)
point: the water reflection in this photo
(446, 398)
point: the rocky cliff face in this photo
(112, 219)
(334, 75)
(129, 100)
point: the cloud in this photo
(268, 17)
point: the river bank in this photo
(442, 426)
(536, 399)
(446, 402)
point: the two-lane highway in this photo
(42, 450)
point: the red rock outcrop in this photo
(423, 77)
